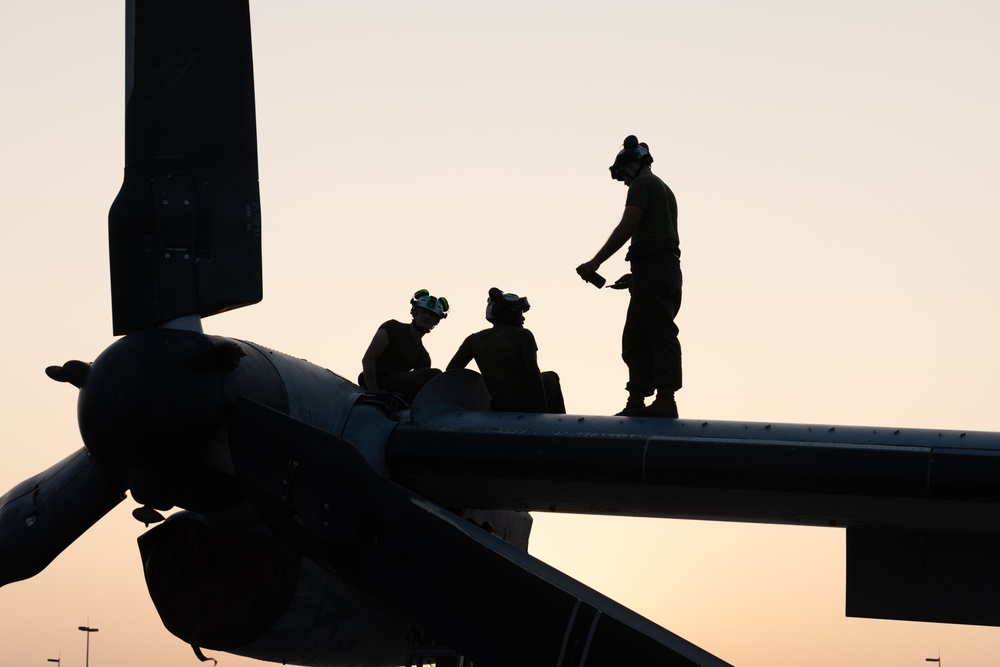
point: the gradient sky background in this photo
(836, 168)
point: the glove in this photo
(624, 282)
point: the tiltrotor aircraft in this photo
(323, 525)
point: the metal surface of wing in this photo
(465, 587)
(921, 507)
(796, 474)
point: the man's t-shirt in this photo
(657, 229)
(506, 358)
(402, 354)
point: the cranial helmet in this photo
(631, 151)
(436, 304)
(506, 308)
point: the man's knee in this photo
(554, 402)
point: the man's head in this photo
(506, 308)
(427, 310)
(631, 159)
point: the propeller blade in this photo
(43, 515)
(465, 587)
(184, 230)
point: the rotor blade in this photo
(468, 589)
(43, 515)
(184, 230)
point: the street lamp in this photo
(937, 659)
(58, 660)
(88, 630)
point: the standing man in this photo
(396, 359)
(650, 347)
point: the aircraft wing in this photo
(921, 507)
(694, 469)
(468, 588)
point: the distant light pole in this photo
(88, 630)
(58, 660)
(937, 659)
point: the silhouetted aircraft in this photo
(323, 525)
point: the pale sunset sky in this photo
(836, 169)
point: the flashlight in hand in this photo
(592, 277)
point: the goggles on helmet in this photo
(435, 304)
(632, 151)
(499, 304)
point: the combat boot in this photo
(663, 406)
(634, 407)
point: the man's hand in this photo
(622, 283)
(588, 269)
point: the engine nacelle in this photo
(248, 593)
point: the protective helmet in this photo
(631, 151)
(435, 304)
(505, 308)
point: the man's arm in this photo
(619, 236)
(461, 358)
(529, 356)
(380, 341)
